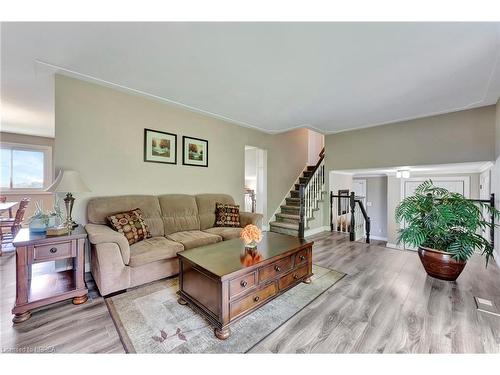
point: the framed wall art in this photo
(194, 151)
(160, 147)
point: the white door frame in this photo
(466, 185)
(464, 179)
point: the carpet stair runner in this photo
(287, 221)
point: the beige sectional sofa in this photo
(177, 222)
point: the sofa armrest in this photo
(251, 218)
(100, 234)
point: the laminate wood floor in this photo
(385, 304)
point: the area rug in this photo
(149, 319)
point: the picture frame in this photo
(194, 151)
(160, 147)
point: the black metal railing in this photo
(349, 201)
(491, 202)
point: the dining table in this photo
(7, 206)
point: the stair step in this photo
(310, 167)
(292, 201)
(307, 173)
(294, 193)
(289, 209)
(303, 180)
(280, 224)
(287, 218)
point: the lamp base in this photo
(72, 224)
(68, 203)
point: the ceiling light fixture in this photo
(403, 173)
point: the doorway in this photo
(255, 192)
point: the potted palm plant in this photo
(445, 227)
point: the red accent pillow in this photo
(131, 225)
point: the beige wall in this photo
(376, 195)
(99, 132)
(464, 136)
(47, 199)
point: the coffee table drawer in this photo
(241, 284)
(54, 251)
(301, 257)
(292, 277)
(275, 269)
(252, 300)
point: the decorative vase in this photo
(251, 245)
(440, 264)
(41, 225)
(37, 226)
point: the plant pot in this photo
(440, 264)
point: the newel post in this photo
(352, 203)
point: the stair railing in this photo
(311, 192)
(352, 201)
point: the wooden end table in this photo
(41, 290)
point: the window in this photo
(25, 167)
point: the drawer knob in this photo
(295, 276)
(53, 250)
(302, 257)
(256, 298)
(243, 283)
(277, 268)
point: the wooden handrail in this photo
(302, 189)
(321, 157)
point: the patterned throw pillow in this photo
(131, 225)
(227, 215)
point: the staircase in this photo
(303, 201)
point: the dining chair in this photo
(15, 223)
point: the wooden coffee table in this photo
(224, 282)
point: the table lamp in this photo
(68, 182)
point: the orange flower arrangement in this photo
(251, 234)
(250, 257)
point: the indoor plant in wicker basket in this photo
(446, 228)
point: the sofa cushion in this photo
(98, 209)
(224, 232)
(131, 225)
(179, 213)
(206, 207)
(194, 238)
(227, 215)
(152, 250)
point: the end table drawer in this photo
(293, 277)
(252, 300)
(241, 284)
(52, 251)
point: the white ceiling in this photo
(272, 76)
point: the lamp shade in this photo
(68, 182)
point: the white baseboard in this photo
(497, 258)
(312, 232)
(394, 246)
(378, 238)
